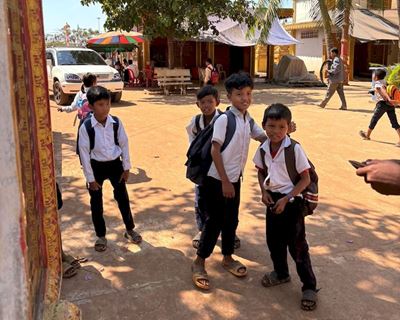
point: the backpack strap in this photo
(290, 160)
(197, 123)
(115, 127)
(262, 153)
(251, 124)
(90, 131)
(230, 129)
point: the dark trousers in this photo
(332, 88)
(199, 211)
(381, 108)
(222, 217)
(111, 170)
(287, 230)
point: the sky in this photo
(57, 12)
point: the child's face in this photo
(101, 108)
(207, 105)
(241, 98)
(276, 130)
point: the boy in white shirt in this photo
(102, 144)
(221, 189)
(285, 220)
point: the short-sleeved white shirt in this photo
(379, 84)
(279, 177)
(191, 127)
(234, 156)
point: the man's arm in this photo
(336, 66)
(227, 187)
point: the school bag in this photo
(90, 131)
(310, 193)
(83, 108)
(214, 76)
(199, 157)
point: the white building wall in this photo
(310, 51)
(303, 8)
(13, 293)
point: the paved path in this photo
(354, 236)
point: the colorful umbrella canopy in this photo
(116, 39)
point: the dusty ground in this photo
(354, 236)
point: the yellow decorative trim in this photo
(302, 25)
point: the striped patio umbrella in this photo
(116, 39)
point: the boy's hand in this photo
(60, 109)
(280, 205)
(267, 199)
(228, 190)
(124, 176)
(394, 102)
(94, 186)
(292, 127)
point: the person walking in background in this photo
(336, 77)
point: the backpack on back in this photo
(83, 109)
(310, 193)
(199, 157)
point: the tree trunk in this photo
(398, 42)
(327, 23)
(170, 42)
(344, 52)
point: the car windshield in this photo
(77, 57)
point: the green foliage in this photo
(393, 75)
(177, 19)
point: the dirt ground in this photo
(353, 237)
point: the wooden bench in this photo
(172, 78)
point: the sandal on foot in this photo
(75, 262)
(133, 236)
(101, 244)
(196, 241)
(271, 279)
(309, 300)
(199, 276)
(363, 135)
(68, 270)
(237, 242)
(234, 267)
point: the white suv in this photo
(66, 67)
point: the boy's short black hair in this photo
(209, 60)
(335, 50)
(207, 90)
(277, 111)
(97, 93)
(380, 74)
(238, 81)
(89, 79)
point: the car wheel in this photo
(116, 97)
(59, 96)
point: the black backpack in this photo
(90, 131)
(310, 193)
(199, 157)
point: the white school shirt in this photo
(379, 84)
(191, 127)
(74, 105)
(278, 174)
(234, 156)
(105, 148)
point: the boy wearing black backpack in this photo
(221, 185)
(104, 153)
(285, 205)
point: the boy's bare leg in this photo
(367, 135)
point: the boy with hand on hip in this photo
(285, 220)
(221, 190)
(102, 144)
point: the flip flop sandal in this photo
(68, 270)
(199, 275)
(236, 243)
(196, 241)
(271, 279)
(234, 267)
(100, 245)
(309, 300)
(133, 236)
(75, 262)
(363, 135)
